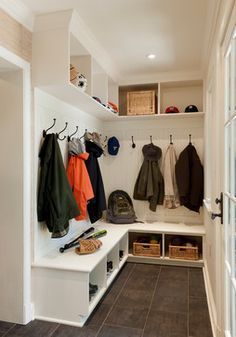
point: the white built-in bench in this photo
(61, 281)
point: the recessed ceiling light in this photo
(151, 56)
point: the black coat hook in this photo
(171, 142)
(151, 139)
(133, 143)
(69, 137)
(190, 138)
(58, 134)
(45, 131)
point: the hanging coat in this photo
(98, 204)
(80, 182)
(171, 197)
(149, 184)
(56, 203)
(189, 177)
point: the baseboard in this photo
(211, 302)
(28, 313)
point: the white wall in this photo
(47, 108)
(121, 171)
(11, 198)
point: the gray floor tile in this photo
(141, 282)
(173, 288)
(127, 317)
(4, 327)
(71, 331)
(196, 283)
(113, 331)
(170, 303)
(33, 329)
(162, 324)
(135, 298)
(99, 314)
(148, 270)
(199, 321)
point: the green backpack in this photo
(120, 208)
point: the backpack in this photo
(120, 208)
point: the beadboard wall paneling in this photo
(121, 171)
(15, 37)
(46, 108)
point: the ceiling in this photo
(175, 30)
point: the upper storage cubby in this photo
(60, 40)
(179, 94)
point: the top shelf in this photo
(59, 39)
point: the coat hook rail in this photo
(69, 137)
(58, 134)
(45, 131)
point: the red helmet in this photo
(171, 110)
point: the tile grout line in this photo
(51, 335)
(102, 324)
(5, 334)
(154, 291)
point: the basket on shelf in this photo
(183, 252)
(141, 102)
(147, 249)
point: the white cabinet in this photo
(58, 42)
(61, 282)
(167, 231)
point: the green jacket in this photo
(150, 184)
(56, 203)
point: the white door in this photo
(230, 188)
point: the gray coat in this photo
(150, 184)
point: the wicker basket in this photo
(183, 253)
(141, 102)
(146, 249)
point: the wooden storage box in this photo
(147, 249)
(183, 252)
(141, 102)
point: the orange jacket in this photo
(80, 182)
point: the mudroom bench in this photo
(61, 282)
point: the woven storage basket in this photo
(146, 249)
(183, 253)
(73, 74)
(141, 102)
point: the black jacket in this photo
(189, 177)
(98, 203)
(149, 184)
(56, 203)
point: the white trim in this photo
(210, 301)
(25, 66)
(17, 10)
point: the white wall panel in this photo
(121, 171)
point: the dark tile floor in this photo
(144, 301)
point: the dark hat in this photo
(152, 152)
(191, 108)
(113, 146)
(171, 110)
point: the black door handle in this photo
(214, 215)
(220, 215)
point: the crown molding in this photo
(17, 10)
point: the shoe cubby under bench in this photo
(67, 287)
